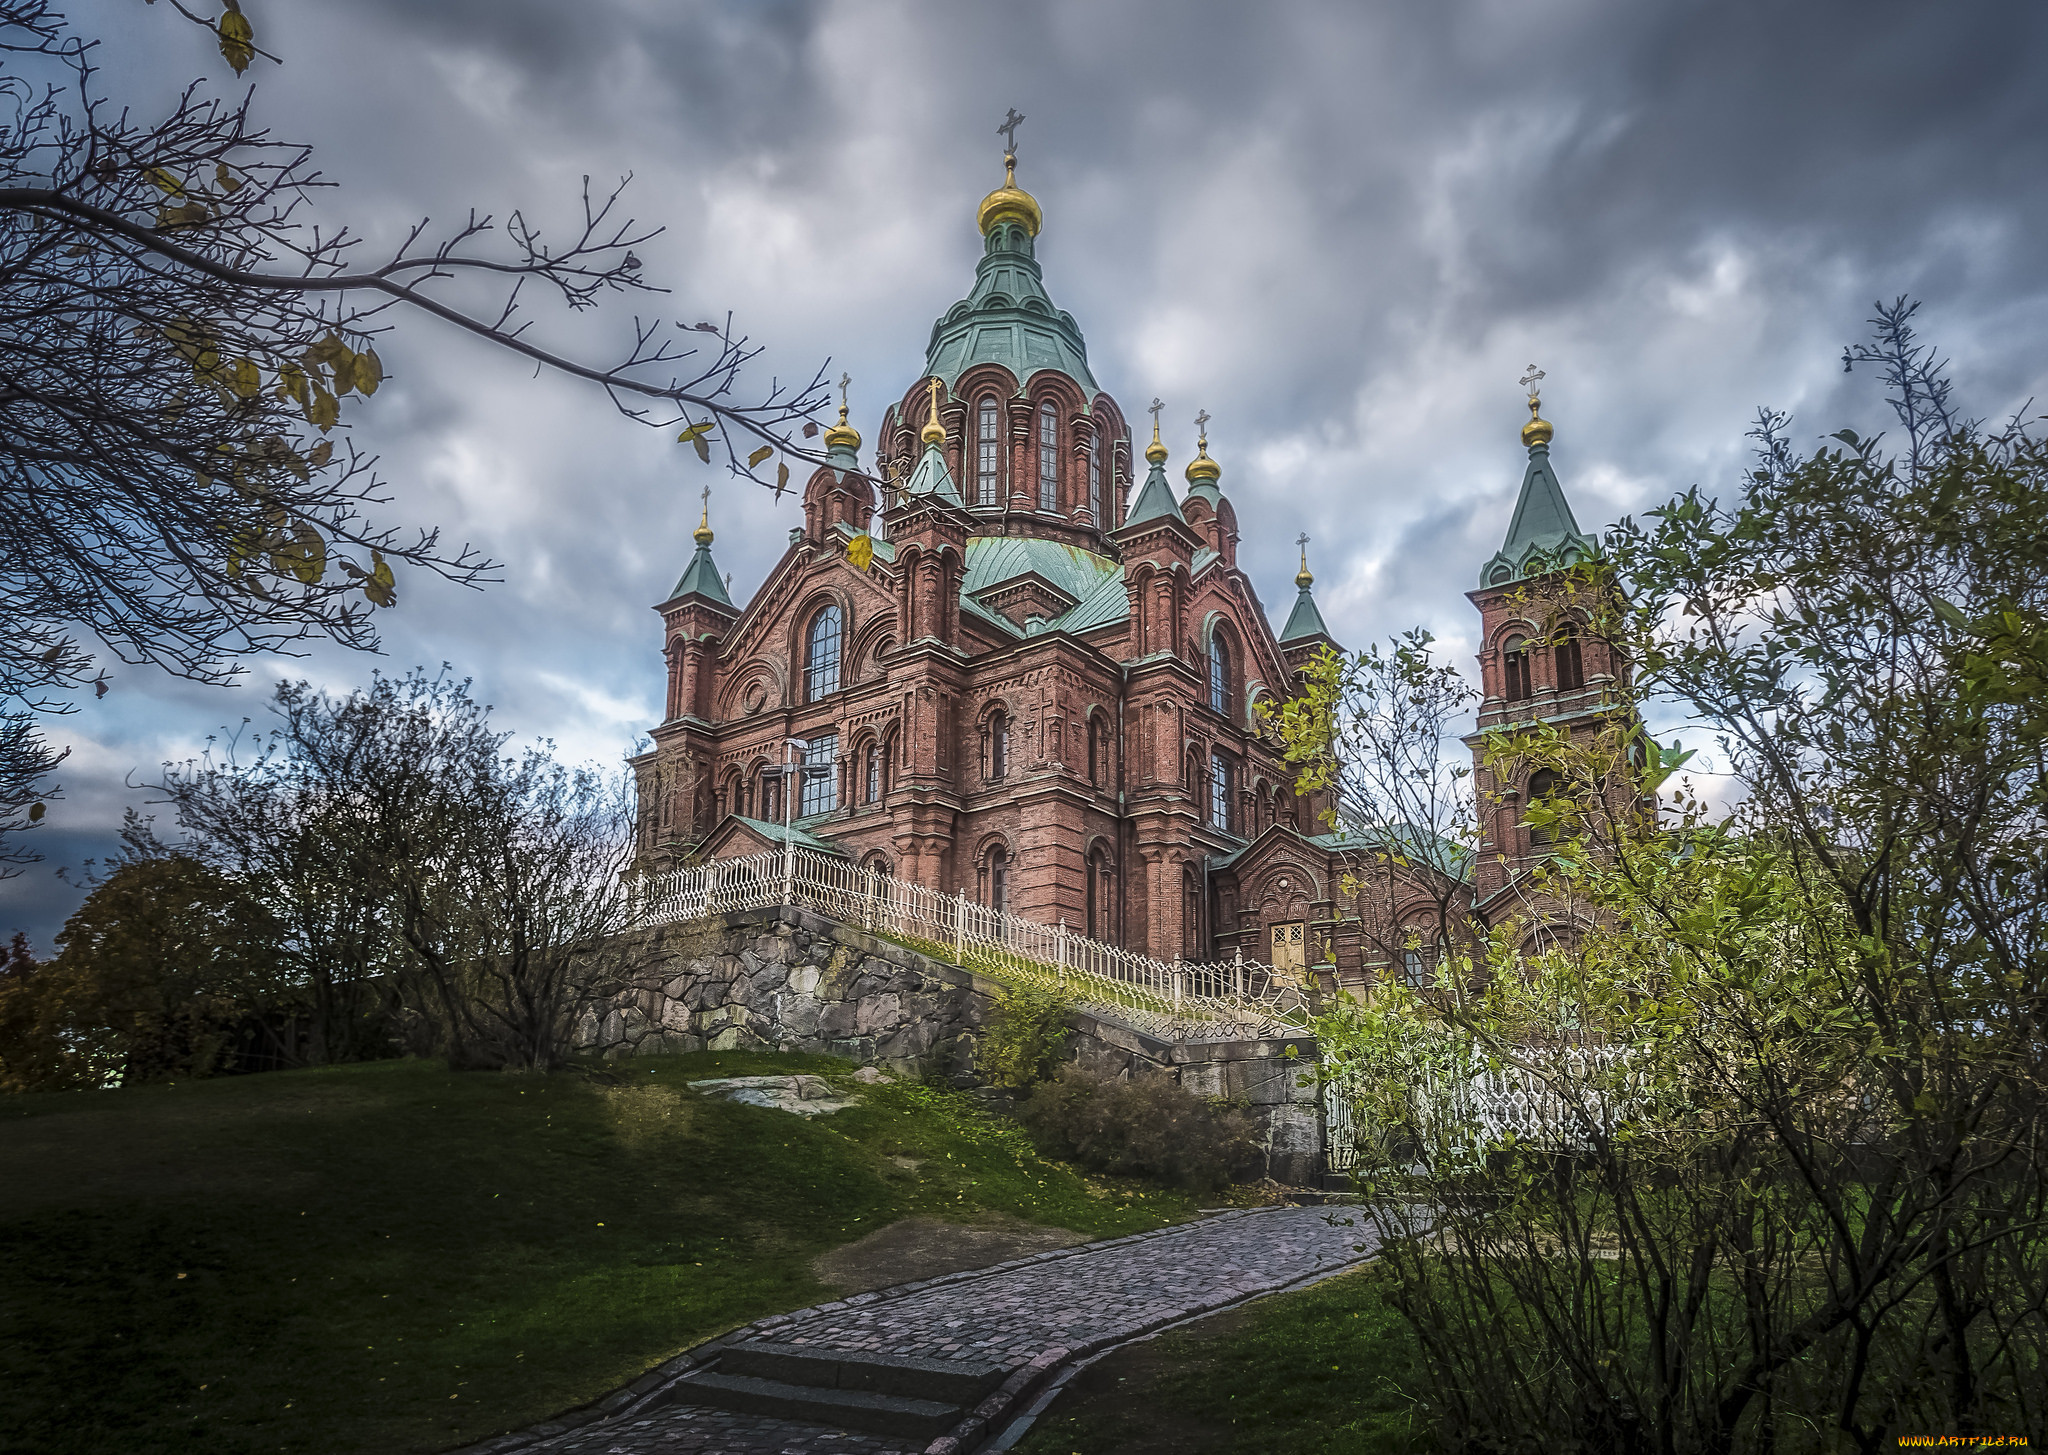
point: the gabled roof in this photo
(992, 560)
(933, 478)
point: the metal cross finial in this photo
(1530, 379)
(1302, 540)
(1008, 130)
(706, 493)
(844, 380)
(1202, 423)
(1153, 408)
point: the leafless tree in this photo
(179, 335)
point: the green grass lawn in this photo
(1319, 1372)
(393, 1257)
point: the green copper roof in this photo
(1007, 319)
(1107, 605)
(1305, 620)
(992, 560)
(1155, 500)
(933, 478)
(701, 578)
(1543, 532)
(774, 834)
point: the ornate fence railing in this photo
(1466, 1113)
(1178, 999)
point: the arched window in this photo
(771, 794)
(1515, 659)
(1095, 754)
(821, 656)
(1219, 673)
(871, 774)
(1048, 457)
(1098, 894)
(995, 879)
(1219, 792)
(820, 770)
(1420, 952)
(986, 490)
(1542, 786)
(998, 748)
(1571, 662)
(1095, 478)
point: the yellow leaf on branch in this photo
(759, 455)
(369, 371)
(381, 587)
(237, 39)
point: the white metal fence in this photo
(1179, 999)
(1465, 1114)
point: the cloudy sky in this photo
(1343, 229)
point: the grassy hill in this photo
(392, 1257)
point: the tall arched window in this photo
(821, 656)
(1542, 787)
(1095, 750)
(1571, 662)
(1219, 673)
(995, 879)
(1095, 477)
(998, 755)
(1098, 894)
(986, 490)
(1515, 660)
(1219, 792)
(871, 774)
(1048, 457)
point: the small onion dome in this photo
(1203, 469)
(1537, 431)
(1304, 578)
(1156, 451)
(1010, 203)
(842, 436)
(703, 531)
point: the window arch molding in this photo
(805, 638)
(1222, 666)
(993, 727)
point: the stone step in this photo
(949, 1381)
(841, 1409)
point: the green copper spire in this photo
(1305, 621)
(700, 577)
(1007, 318)
(1543, 533)
(1156, 499)
(931, 477)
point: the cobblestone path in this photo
(1031, 1315)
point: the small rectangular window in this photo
(1095, 481)
(1219, 793)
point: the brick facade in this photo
(1041, 690)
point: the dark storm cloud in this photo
(1343, 230)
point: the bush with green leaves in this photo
(1150, 1126)
(1022, 1042)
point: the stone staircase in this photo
(882, 1394)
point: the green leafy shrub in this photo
(1022, 1044)
(1152, 1127)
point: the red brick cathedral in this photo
(1039, 688)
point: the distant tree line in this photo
(376, 875)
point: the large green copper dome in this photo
(1007, 318)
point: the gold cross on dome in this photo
(1153, 409)
(1532, 378)
(844, 380)
(1302, 540)
(1008, 130)
(1202, 423)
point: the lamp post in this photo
(792, 784)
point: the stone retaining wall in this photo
(787, 979)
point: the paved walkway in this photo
(1031, 1316)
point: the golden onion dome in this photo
(1201, 468)
(1304, 578)
(703, 531)
(1010, 203)
(1537, 431)
(1156, 451)
(842, 436)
